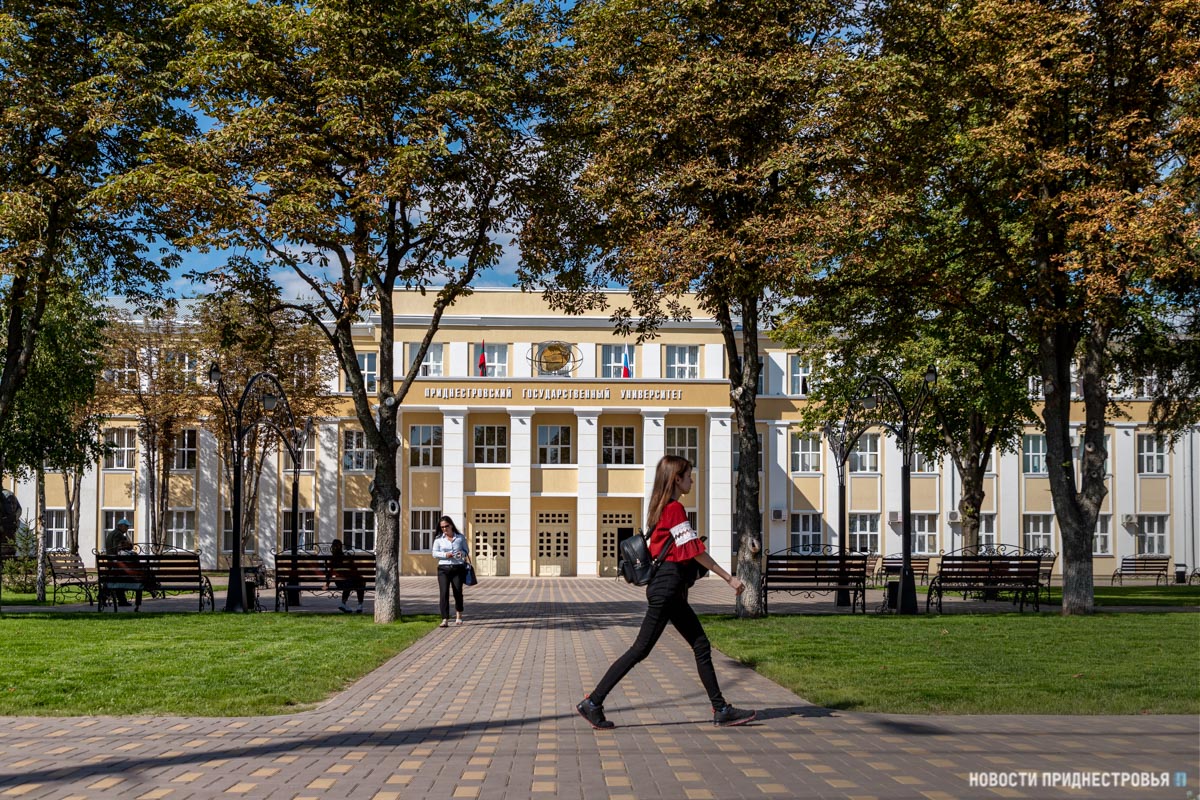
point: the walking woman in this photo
(450, 549)
(667, 595)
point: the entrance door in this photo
(489, 534)
(554, 555)
(613, 528)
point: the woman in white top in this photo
(450, 549)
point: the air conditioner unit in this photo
(1128, 520)
(953, 516)
(776, 515)
(894, 517)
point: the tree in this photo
(684, 155)
(79, 85)
(1057, 141)
(364, 149)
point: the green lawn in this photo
(976, 663)
(191, 664)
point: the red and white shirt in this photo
(674, 523)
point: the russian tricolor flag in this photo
(625, 373)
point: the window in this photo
(685, 442)
(181, 529)
(308, 458)
(495, 361)
(864, 456)
(368, 365)
(1102, 539)
(987, 529)
(683, 362)
(358, 529)
(761, 386)
(1039, 531)
(300, 369)
(614, 358)
(1152, 535)
(491, 444)
(425, 445)
(185, 449)
(305, 529)
(1151, 455)
(431, 365)
(924, 464)
(806, 532)
(864, 533)
(554, 444)
(356, 455)
(121, 450)
(227, 534)
(737, 453)
(54, 527)
(1033, 454)
(423, 526)
(617, 445)
(179, 368)
(123, 374)
(806, 452)
(111, 516)
(799, 371)
(924, 532)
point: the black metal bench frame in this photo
(989, 570)
(311, 571)
(890, 566)
(1142, 567)
(812, 571)
(68, 570)
(166, 569)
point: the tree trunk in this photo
(385, 500)
(40, 529)
(72, 483)
(743, 395)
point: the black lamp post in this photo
(905, 432)
(843, 436)
(266, 399)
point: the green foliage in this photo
(203, 664)
(20, 569)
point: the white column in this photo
(208, 484)
(520, 360)
(460, 360)
(520, 509)
(1124, 488)
(714, 362)
(587, 526)
(651, 360)
(268, 509)
(587, 360)
(141, 499)
(1186, 492)
(829, 484)
(654, 446)
(26, 492)
(328, 480)
(719, 525)
(776, 479)
(454, 421)
(950, 489)
(891, 462)
(1008, 499)
(776, 366)
(90, 535)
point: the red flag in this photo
(482, 360)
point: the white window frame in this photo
(423, 526)
(1102, 538)
(495, 452)
(799, 374)
(1152, 535)
(554, 445)
(54, 528)
(308, 458)
(368, 367)
(227, 534)
(123, 451)
(1033, 454)
(1151, 455)
(495, 359)
(1037, 531)
(683, 362)
(179, 528)
(425, 446)
(432, 366)
(863, 529)
(924, 533)
(612, 362)
(987, 529)
(186, 450)
(125, 378)
(864, 456)
(805, 452)
(306, 531)
(618, 445)
(111, 515)
(357, 455)
(806, 531)
(684, 441)
(921, 465)
(358, 528)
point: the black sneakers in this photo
(729, 716)
(594, 714)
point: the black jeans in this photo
(450, 576)
(667, 596)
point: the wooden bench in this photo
(988, 574)
(170, 570)
(1142, 567)
(67, 570)
(816, 573)
(890, 567)
(313, 572)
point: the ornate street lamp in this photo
(905, 431)
(843, 437)
(264, 394)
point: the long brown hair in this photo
(670, 469)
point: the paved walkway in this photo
(529, 650)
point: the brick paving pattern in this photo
(529, 650)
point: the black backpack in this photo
(634, 563)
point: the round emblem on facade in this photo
(555, 358)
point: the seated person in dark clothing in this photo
(346, 576)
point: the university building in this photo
(539, 433)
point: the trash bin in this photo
(893, 595)
(1180, 573)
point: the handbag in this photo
(635, 564)
(470, 579)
